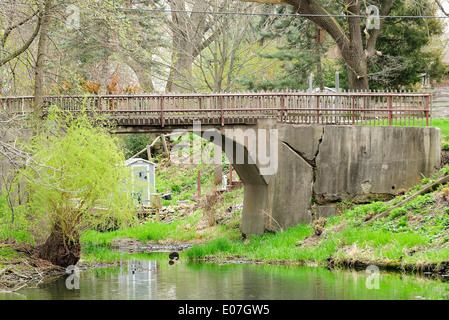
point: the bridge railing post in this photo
(390, 110)
(162, 112)
(353, 109)
(427, 109)
(282, 107)
(222, 113)
(318, 109)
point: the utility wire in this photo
(278, 14)
(272, 14)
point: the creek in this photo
(152, 277)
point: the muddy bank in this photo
(19, 268)
(430, 269)
(135, 246)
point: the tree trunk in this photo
(319, 69)
(356, 64)
(181, 70)
(42, 49)
(59, 250)
(188, 33)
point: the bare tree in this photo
(15, 20)
(42, 51)
(191, 34)
(232, 51)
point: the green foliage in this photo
(420, 201)
(445, 145)
(402, 43)
(406, 46)
(80, 180)
(134, 143)
(175, 188)
(362, 210)
(397, 212)
(296, 52)
(16, 223)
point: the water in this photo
(153, 278)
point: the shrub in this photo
(397, 212)
(445, 146)
(80, 181)
(445, 193)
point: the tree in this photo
(81, 183)
(42, 51)
(406, 47)
(296, 51)
(190, 34)
(234, 51)
(15, 18)
(346, 32)
(112, 37)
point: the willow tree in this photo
(80, 183)
(356, 46)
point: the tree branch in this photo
(25, 46)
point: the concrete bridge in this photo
(298, 154)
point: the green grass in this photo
(267, 247)
(390, 238)
(150, 231)
(443, 124)
(283, 246)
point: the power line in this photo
(303, 15)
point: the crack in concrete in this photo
(311, 162)
(315, 167)
(300, 154)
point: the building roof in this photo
(134, 160)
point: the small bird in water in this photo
(174, 256)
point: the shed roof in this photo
(133, 160)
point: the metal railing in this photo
(352, 108)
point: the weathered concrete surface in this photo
(317, 166)
(290, 190)
(363, 163)
(241, 145)
(329, 164)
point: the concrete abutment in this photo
(318, 166)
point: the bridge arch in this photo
(243, 148)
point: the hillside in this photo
(413, 236)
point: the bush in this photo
(445, 146)
(175, 188)
(80, 179)
(397, 212)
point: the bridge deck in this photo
(243, 108)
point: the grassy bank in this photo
(410, 237)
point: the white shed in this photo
(143, 179)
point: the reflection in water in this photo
(157, 279)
